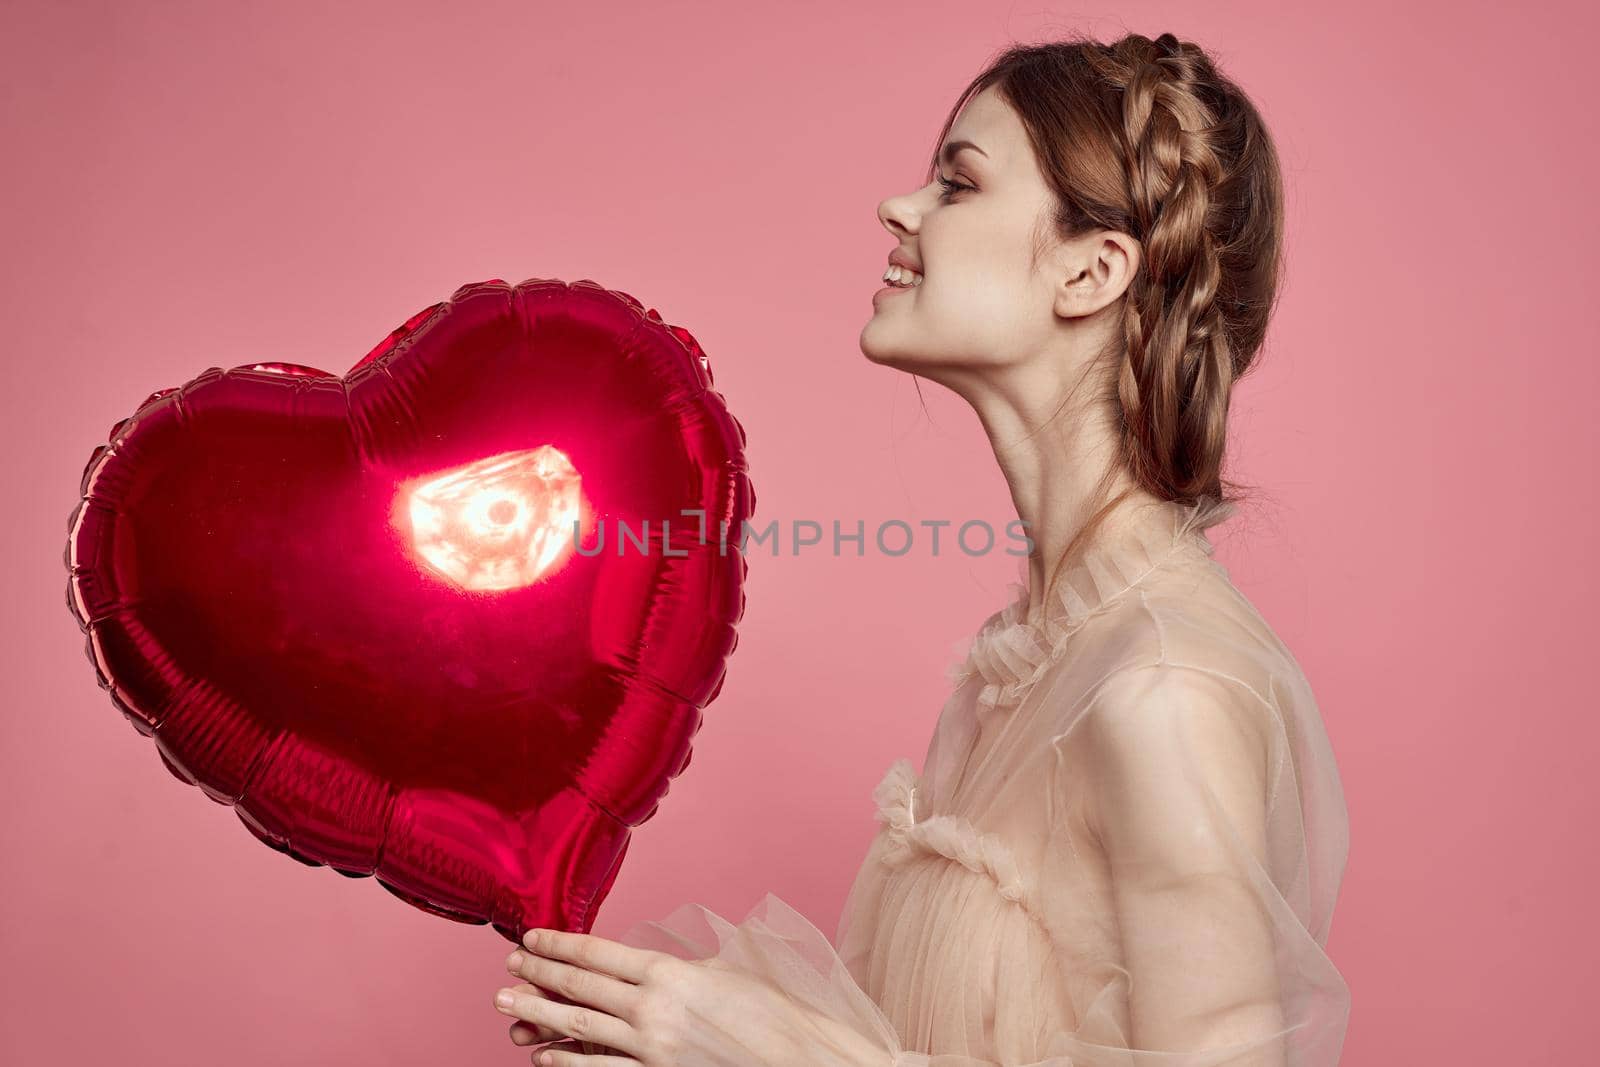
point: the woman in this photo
(1129, 833)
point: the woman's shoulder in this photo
(1191, 617)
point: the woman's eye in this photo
(950, 188)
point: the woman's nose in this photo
(897, 216)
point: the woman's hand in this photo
(647, 1009)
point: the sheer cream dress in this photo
(1124, 846)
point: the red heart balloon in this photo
(354, 608)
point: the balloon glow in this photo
(351, 606)
(499, 523)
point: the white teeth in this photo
(898, 275)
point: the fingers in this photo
(575, 984)
(579, 1021)
(592, 953)
(530, 1033)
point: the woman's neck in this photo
(1054, 475)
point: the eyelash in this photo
(950, 188)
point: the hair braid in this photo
(1177, 372)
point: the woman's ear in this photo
(1092, 271)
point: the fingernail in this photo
(514, 961)
(505, 998)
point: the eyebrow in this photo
(948, 153)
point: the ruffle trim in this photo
(950, 836)
(1011, 653)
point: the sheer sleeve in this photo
(1178, 764)
(1183, 783)
(778, 946)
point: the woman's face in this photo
(982, 302)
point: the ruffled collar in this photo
(1011, 651)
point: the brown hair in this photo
(1147, 138)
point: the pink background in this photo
(190, 185)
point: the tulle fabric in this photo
(1124, 847)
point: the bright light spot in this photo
(499, 523)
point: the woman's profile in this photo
(1128, 834)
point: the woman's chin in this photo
(880, 351)
(882, 357)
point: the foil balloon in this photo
(449, 619)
